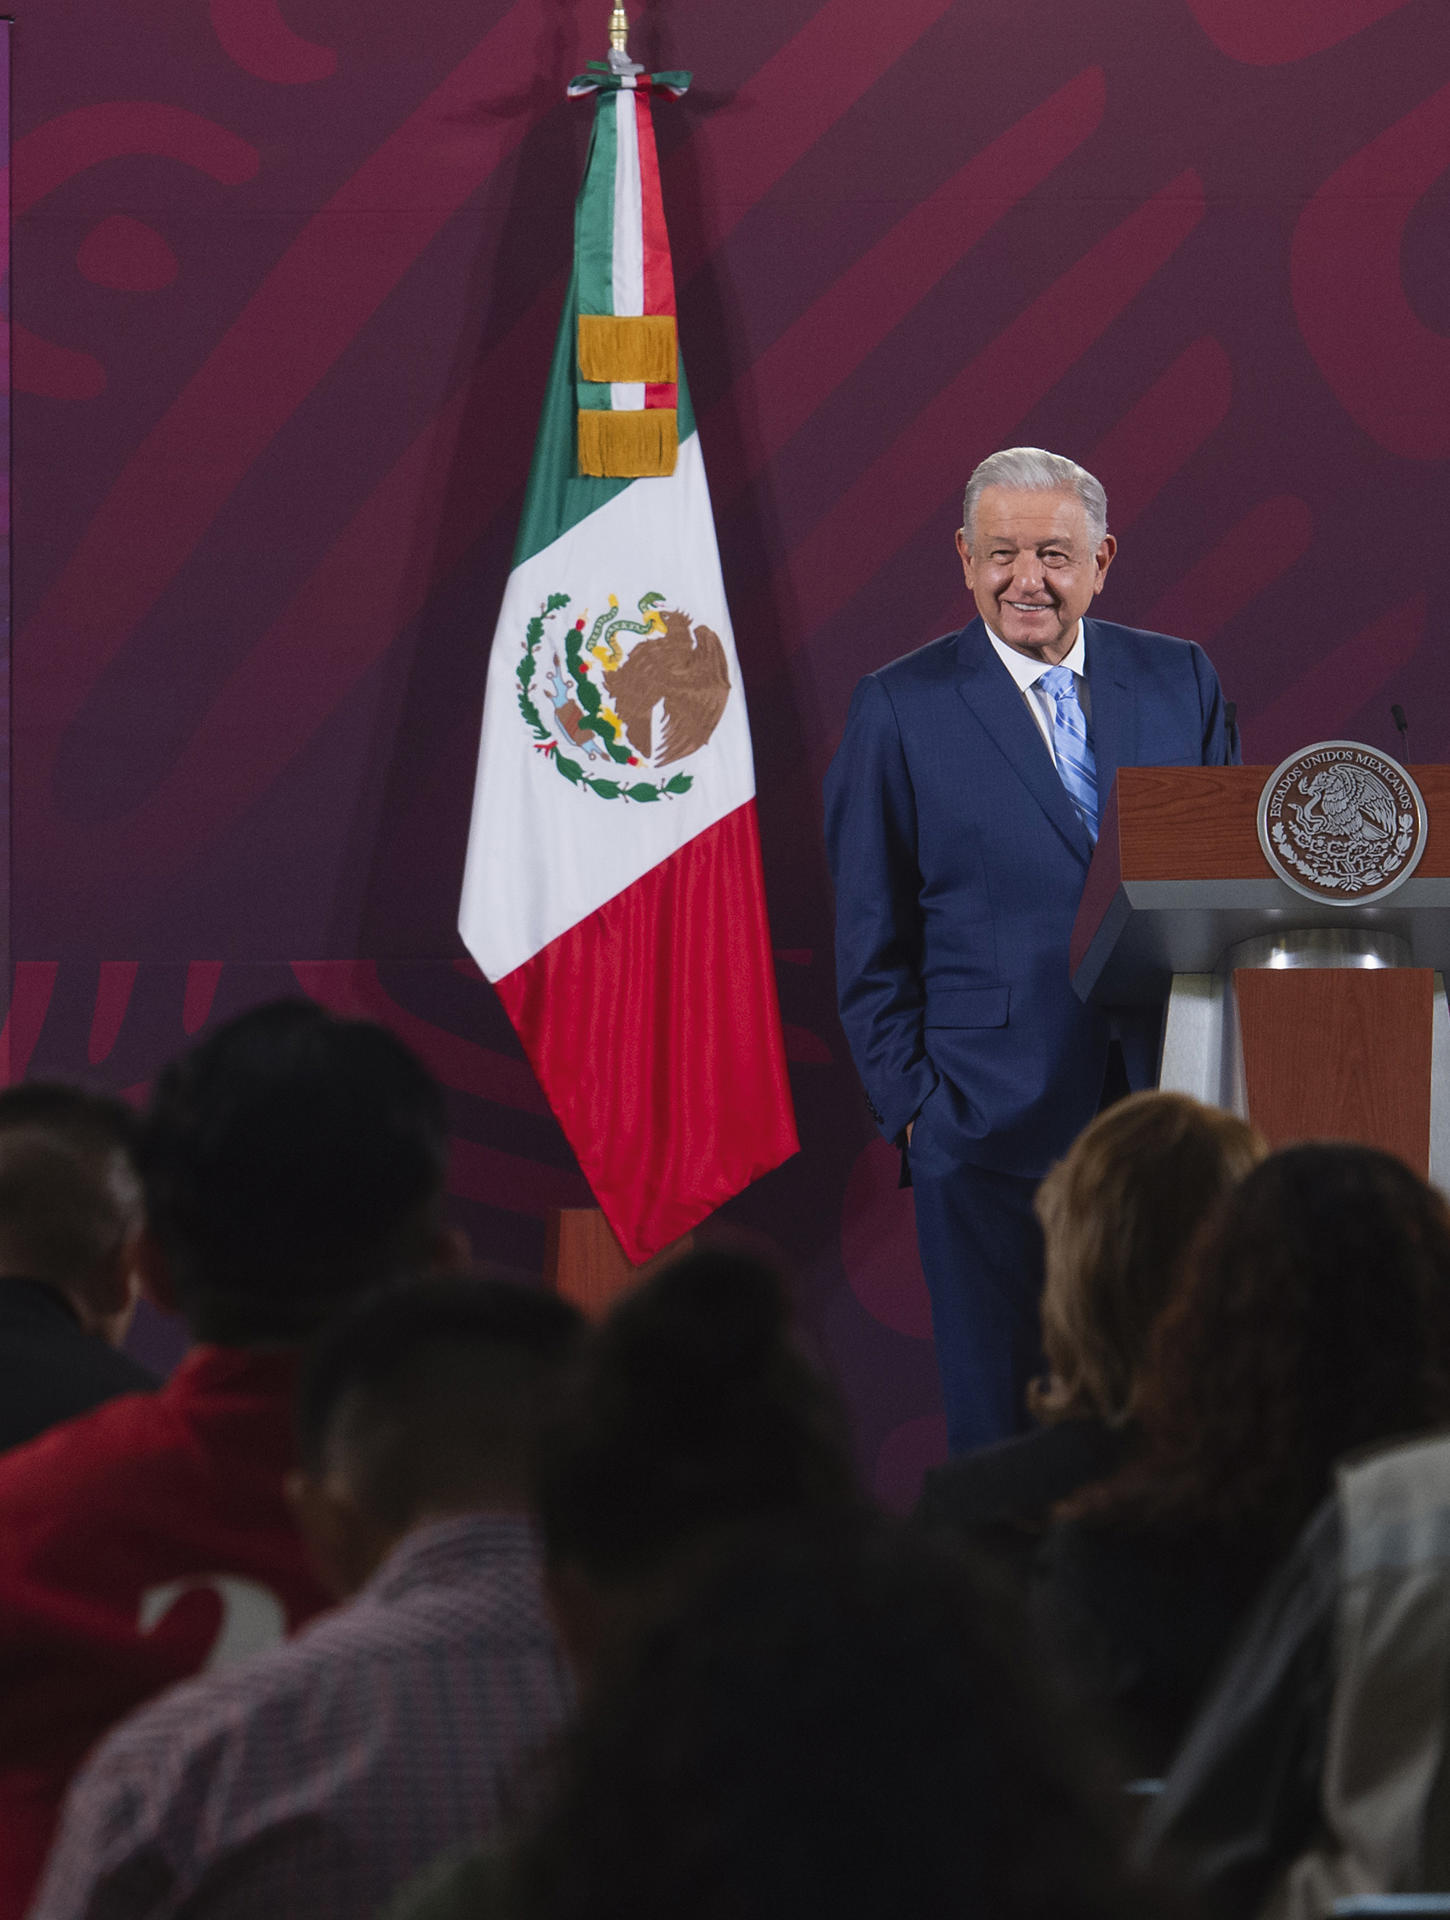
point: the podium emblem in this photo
(1342, 823)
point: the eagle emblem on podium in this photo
(1341, 822)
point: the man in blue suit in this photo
(961, 813)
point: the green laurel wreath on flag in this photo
(591, 705)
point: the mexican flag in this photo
(613, 888)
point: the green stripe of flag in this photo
(558, 496)
(594, 234)
(594, 213)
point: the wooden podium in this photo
(1317, 1020)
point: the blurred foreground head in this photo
(422, 1402)
(830, 1723)
(70, 1199)
(1314, 1318)
(1118, 1214)
(690, 1410)
(290, 1161)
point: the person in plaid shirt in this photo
(290, 1160)
(319, 1776)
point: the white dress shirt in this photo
(1027, 672)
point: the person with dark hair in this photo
(688, 1415)
(830, 1722)
(1117, 1215)
(691, 1410)
(290, 1160)
(320, 1775)
(70, 1225)
(1313, 1319)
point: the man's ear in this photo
(107, 1301)
(1102, 560)
(118, 1278)
(344, 1545)
(153, 1271)
(965, 554)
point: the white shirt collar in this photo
(1026, 671)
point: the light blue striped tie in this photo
(1071, 747)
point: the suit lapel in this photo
(1115, 717)
(993, 697)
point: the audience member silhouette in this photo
(70, 1223)
(1314, 1318)
(687, 1415)
(318, 1776)
(1117, 1213)
(691, 1410)
(828, 1723)
(288, 1161)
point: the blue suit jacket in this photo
(959, 864)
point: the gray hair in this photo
(1031, 470)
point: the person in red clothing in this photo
(289, 1162)
(316, 1778)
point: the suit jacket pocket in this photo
(967, 1006)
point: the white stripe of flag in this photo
(627, 396)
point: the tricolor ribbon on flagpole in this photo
(626, 357)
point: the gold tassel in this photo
(627, 347)
(628, 446)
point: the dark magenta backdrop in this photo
(286, 278)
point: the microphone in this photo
(1397, 714)
(1231, 729)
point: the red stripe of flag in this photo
(654, 1030)
(659, 274)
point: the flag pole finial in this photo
(619, 60)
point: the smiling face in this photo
(1029, 560)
